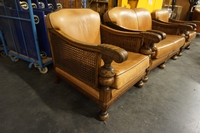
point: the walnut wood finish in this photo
(185, 28)
(140, 20)
(92, 67)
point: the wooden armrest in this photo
(130, 41)
(183, 22)
(155, 37)
(108, 51)
(115, 53)
(171, 28)
(162, 34)
(196, 22)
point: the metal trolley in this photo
(23, 31)
(2, 44)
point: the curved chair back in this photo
(83, 25)
(136, 19)
(161, 15)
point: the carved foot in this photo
(145, 79)
(103, 115)
(139, 84)
(162, 66)
(180, 54)
(187, 48)
(175, 57)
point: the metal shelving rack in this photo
(20, 34)
(2, 44)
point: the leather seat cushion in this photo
(192, 35)
(82, 25)
(168, 45)
(136, 64)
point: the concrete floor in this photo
(169, 102)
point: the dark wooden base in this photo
(175, 57)
(162, 66)
(139, 84)
(103, 115)
(145, 79)
(187, 48)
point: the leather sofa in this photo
(99, 61)
(162, 15)
(139, 20)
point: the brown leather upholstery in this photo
(138, 20)
(196, 18)
(83, 25)
(84, 54)
(163, 16)
(128, 18)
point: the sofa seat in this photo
(192, 35)
(167, 46)
(125, 70)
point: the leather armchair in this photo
(100, 62)
(196, 18)
(139, 20)
(188, 27)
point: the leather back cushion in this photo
(196, 14)
(162, 15)
(137, 19)
(80, 24)
(144, 18)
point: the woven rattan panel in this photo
(127, 43)
(77, 62)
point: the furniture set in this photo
(104, 60)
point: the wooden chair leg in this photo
(175, 57)
(139, 84)
(180, 54)
(162, 66)
(187, 48)
(145, 79)
(103, 115)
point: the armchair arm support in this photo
(111, 52)
(148, 43)
(130, 41)
(162, 34)
(107, 73)
(194, 25)
(196, 22)
(107, 50)
(170, 28)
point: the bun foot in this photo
(102, 116)
(175, 57)
(145, 79)
(139, 84)
(162, 66)
(180, 54)
(187, 48)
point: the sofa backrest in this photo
(196, 14)
(80, 24)
(162, 15)
(144, 18)
(136, 19)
